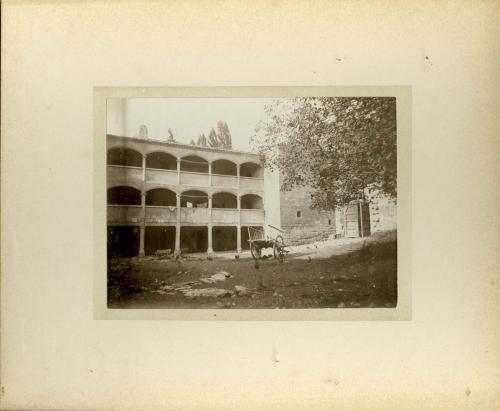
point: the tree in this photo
(213, 140)
(202, 140)
(341, 147)
(192, 142)
(221, 138)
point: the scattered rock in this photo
(220, 276)
(206, 292)
(241, 290)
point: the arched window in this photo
(194, 164)
(124, 195)
(250, 170)
(224, 200)
(124, 157)
(194, 199)
(161, 160)
(224, 167)
(251, 201)
(161, 197)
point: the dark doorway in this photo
(245, 245)
(224, 238)
(159, 238)
(123, 241)
(194, 238)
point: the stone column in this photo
(210, 250)
(177, 250)
(210, 174)
(143, 223)
(238, 174)
(238, 232)
(178, 170)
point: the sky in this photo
(190, 117)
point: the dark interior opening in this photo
(123, 241)
(161, 197)
(250, 170)
(194, 199)
(124, 195)
(194, 164)
(124, 157)
(194, 238)
(159, 238)
(161, 160)
(251, 201)
(224, 238)
(224, 200)
(224, 167)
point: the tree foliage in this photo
(219, 138)
(342, 147)
(202, 141)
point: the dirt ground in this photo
(334, 273)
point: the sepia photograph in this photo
(245, 203)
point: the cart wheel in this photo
(279, 248)
(256, 251)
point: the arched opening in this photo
(123, 241)
(194, 239)
(224, 238)
(224, 167)
(161, 160)
(159, 238)
(194, 164)
(252, 202)
(194, 199)
(250, 170)
(124, 195)
(120, 156)
(224, 200)
(161, 197)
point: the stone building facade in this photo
(164, 195)
(300, 222)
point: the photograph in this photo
(251, 203)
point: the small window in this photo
(299, 214)
(329, 221)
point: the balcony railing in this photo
(122, 175)
(120, 214)
(251, 183)
(194, 179)
(224, 181)
(194, 215)
(124, 214)
(252, 216)
(224, 216)
(161, 214)
(157, 176)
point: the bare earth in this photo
(333, 273)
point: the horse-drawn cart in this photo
(259, 239)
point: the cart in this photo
(258, 239)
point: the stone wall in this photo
(383, 216)
(310, 225)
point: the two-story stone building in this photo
(163, 195)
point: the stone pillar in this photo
(210, 250)
(177, 250)
(143, 223)
(238, 174)
(178, 170)
(210, 174)
(238, 231)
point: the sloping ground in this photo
(336, 273)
